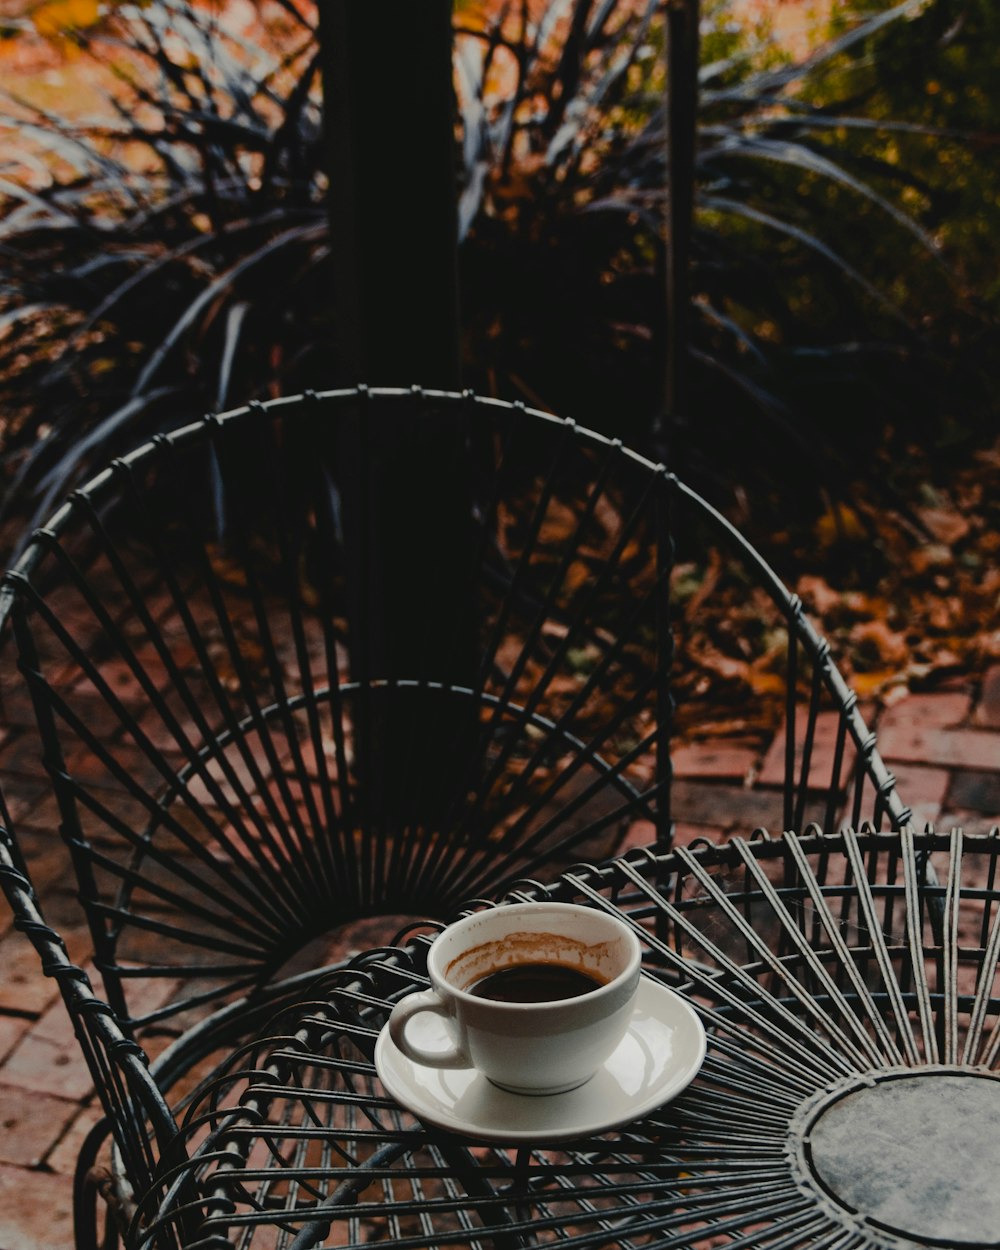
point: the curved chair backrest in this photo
(379, 652)
(139, 1117)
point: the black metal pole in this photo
(389, 129)
(682, 19)
(680, 118)
(389, 113)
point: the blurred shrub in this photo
(171, 257)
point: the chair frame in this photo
(134, 1098)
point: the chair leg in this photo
(90, 1182)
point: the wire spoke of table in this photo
(850, 1096)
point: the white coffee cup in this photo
(537, 1047)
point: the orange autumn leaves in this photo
(905, 594)
(934, 608)
(56, 19)
(53, 22)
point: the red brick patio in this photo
(944, 748)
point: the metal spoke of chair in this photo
(137, 1114)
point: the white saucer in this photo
(658, 1057)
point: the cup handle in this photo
(412, 1005)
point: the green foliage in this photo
(938, 71)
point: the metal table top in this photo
(850, 1095)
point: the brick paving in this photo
(944, 747)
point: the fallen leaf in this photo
(766, 683)
(54, 19)
(839, 523)
(930, 556)
(868, 685)
(876, 641)
(947, 525)
(816, 593)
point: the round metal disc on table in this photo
(913, 1153)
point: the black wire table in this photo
(850, 1095)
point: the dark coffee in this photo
(534, 983)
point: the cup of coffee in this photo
(535, 996)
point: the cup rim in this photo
(633, 966)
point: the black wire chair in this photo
(849, 1098)
(372, 652)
